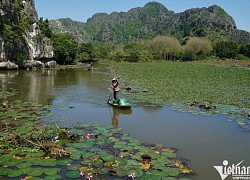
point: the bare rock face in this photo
(27, 42)
(8, 65)
(32, 64)
(51, 64)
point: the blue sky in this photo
(81, 10)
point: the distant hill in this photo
(151, 20)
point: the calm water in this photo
(79, 95)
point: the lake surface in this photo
(80, 96)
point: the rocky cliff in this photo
(75, 28)
(20, 35)
(155, 19)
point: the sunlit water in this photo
(80, 96)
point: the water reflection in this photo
(33, 85)
(41, 86)
(116, 114)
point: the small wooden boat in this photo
(120, 103)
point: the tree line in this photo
(68, 51)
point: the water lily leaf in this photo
(168, 153)
(86, 155)
(32, 160)
(76, 155)
(138, 172)
(86, 162)
(79, 145)
(24, 165)
(7, 157)
(70, 149)
(74, 167)
(97, 162)
(38, 154)
(15, 173)
(53, 177)
(46, 162)
(90, 142)
(83, 169)
(132, 163)
(120, 146)
(155, 172)
(149, 176)
(63, 161)
(94, 149)
(51, 171)
(14, 162)
(79, 132)
(121, 173)
(103, 170)
(27, 170)
(73, 174)
(159, 163)
(4, 171)
(36, 172)
(107, 158)
(170, 171)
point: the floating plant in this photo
(32, 150)
(177, 84)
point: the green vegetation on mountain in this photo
(153, 32)
(20, 34)
(154, 19)
(13, 29)
(45, 28)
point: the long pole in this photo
(109, 95)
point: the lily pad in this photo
(4, 171)
(36, 172)
(51, 171)
(73, 174)
(24, 165)
(63, 161)
(15, 173)
(52, 177)
(103, 170)
(14, 162)
(74, 167)
(46, 162)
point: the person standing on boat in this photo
(115, 87)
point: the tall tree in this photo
(197, 47)
(45, 28)
(226, 49)
(65, 48)
(165, 47)
(133, 52)
(245, 50)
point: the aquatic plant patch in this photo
(31, 150)
(178, 84)
(108, 152)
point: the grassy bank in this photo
(169, 82)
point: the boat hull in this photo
(124, 106)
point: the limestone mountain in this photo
(20, 35)
(155, 19)
(75, 28)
